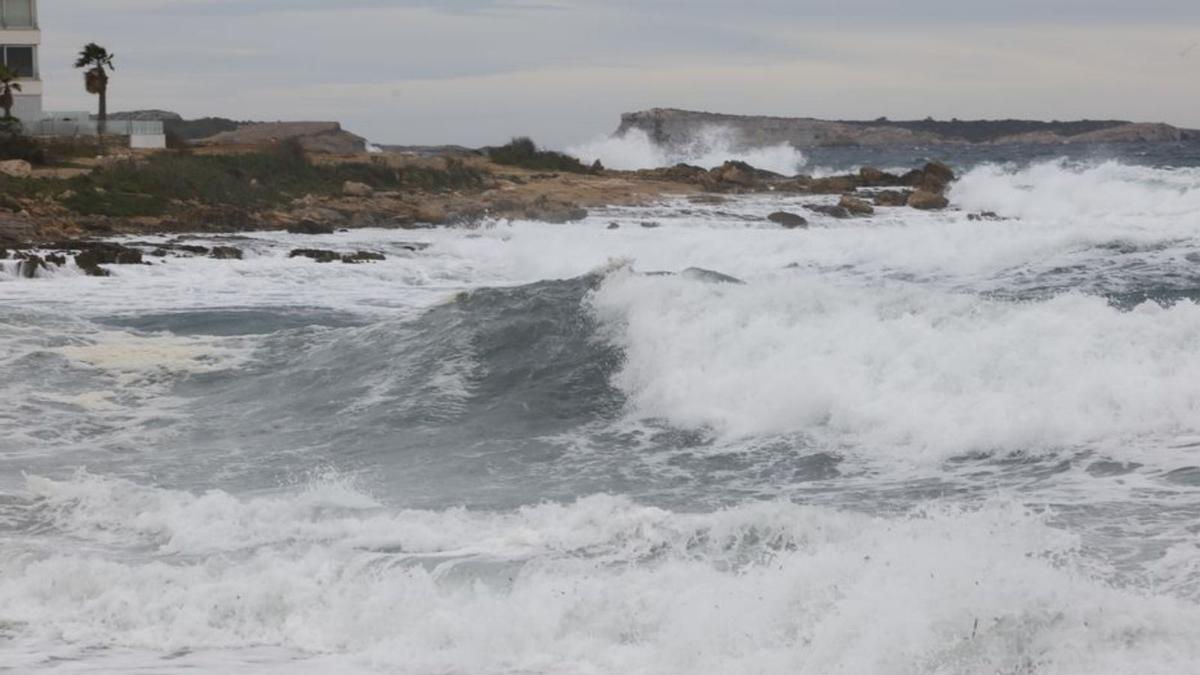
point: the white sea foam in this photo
(711, 147)
(1108, 192)
(599, 586)
(893, 370)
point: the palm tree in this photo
(98, 62)
(8, 84)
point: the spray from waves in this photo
(600, 585)
(712, 147)
(1109, 192)
(912, 375)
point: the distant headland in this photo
(667, 126)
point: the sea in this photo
(666, 440)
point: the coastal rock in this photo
(363, 257)
(355, 189)
(869, 176)
(226, 253)
(558, 213)
(318, 255)
(310, 227)
(927, 201)
(833, 185)
(831, 210)
(738, 174)
(984, 216)
(323, 137)
(892, 197)
(430, 214)
(788, 220)
(934, 177)
(17, 168)
(856, 206)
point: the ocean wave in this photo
(599, 585)
(1106, 192)
(895, 371)
(710, 148)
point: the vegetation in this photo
(14, 144)
(523, 152)
(8, 85)
(166, 181)
(97, 61)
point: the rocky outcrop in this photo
(681, 127)
(320, 137)
(790, 221)
(671, 127)
(1125, 133)
(325, 256)
(925, 200)
(856, 207)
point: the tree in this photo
(8, 85)
(97, 62)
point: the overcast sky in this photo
(479, 71)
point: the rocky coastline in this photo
(46, 222)
(672, 127)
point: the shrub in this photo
(14, 144)
(523, 152)
(249, 181)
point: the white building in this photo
(19, 42)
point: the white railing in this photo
(54, 127)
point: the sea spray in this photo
(712, 147)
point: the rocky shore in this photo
(671, 127)
(47, 221)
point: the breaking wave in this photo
(598, 585)
(710, 148)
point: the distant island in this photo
(667, 126)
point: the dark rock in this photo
(614, 226)
(310, 227)
(650, 224)
(934, 177)
(57, 259)
(712, 200)
(927, 201)
(362, 257)
(983, 216)
(834, 185)
(856, 206)
(831, 210)
(709, 276)
(892, 198)
(191, 248)
(318, 255)
(29, 266)
(871, 177)
(789, 220)
(93, 254)
(226, 253)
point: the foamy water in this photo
(712, 147)
(912, 444)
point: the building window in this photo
(20, 59)
(17, 13)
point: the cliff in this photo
(679, 127)
(327, 137)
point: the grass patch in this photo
(523, 152)
(250, 181)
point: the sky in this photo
(477, 72)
